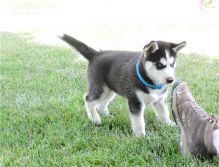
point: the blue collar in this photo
(161, 86)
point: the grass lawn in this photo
(43, 120)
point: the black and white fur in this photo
(113, 72)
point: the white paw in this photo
(106, 112)
(139, 132)
(96, 119)
(103, 109)
(171, 123)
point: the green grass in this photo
(43, 120)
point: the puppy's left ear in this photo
(177, 47)
(151, 48)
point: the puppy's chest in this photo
(148, 98)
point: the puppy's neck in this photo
(143, 71)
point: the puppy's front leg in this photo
(136, 109)
(162, 112)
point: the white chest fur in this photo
(153, 96)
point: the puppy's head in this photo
(160, 60)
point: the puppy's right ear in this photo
(177, 47)
(150, 48)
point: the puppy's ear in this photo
(177, 47)
(151, 48)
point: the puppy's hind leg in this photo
(103, 107)
(90, 104)
(92, 99)
(137, 116)
(95, 97)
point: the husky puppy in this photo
(141, 77)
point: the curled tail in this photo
(85, 50)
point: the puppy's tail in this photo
(85, 50)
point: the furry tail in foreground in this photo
(85, 50)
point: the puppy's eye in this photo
(159, 65)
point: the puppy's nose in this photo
(169, 79)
